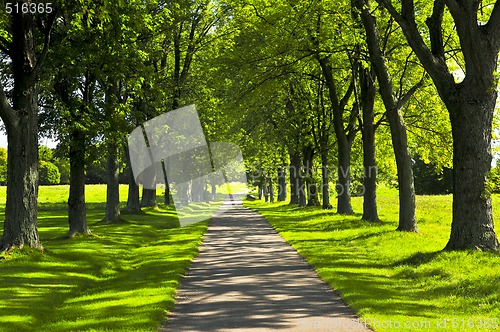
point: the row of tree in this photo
(294, 83)
(86, 74)
(312, 71)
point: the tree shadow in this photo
(417, 259)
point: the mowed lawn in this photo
(396, 281)
(121, 279)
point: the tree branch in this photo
(493, 26)
(434, 23)
(343, 102)
(438, 70)
(404, 99)
(46, 44)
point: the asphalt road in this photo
(247, 278)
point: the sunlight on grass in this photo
(122, 279)
(387, 275)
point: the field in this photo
(124, 277)
(121, 279)
(395, 279)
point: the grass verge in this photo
(396, 281)
(123, 278)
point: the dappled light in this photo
(122, 278)
(384, 274)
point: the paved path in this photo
(247, 278)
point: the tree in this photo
(470, 103)
(345, 135)
(70, 89)
(62, 164)
(20, 116)
(393, 104)
(367, 103)
(49, 173)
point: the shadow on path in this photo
(247, 278)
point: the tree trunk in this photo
(197, 188)
(21, 124)
(368, 92)
(281, 185)
(77, 212)
(166, 194)
(271, 190)
(344, 178)
(133, 204)
(312, 188)
(294, 178)
(21, 210)
(471, 120)
(325, 181)
(149, 195)
(261, 185)
(113, 185)
(148, 198)
(344, 139)
(407, 208)
(214, 192)
(265, 189)
(301, 189)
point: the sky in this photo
(45, 141)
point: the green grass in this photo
(122, 279)
(389, 276)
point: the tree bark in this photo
(281, 185)
(312, 188)
(113, 185)
(368, 92)
(301, 189)
(77, 211)
(166, 194)
(265, 188)
(325, 181)
(133, 204)
(407, 207)
(472, 226)
(294, 177)
(270, 190)
(148, 198)
(21, 226)
(261, 184)
(344, 178)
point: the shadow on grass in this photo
(384, 274)
(123, 278)
(418, 258)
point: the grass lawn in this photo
(122, 279)
(395, 279)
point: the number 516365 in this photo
(31, 8)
